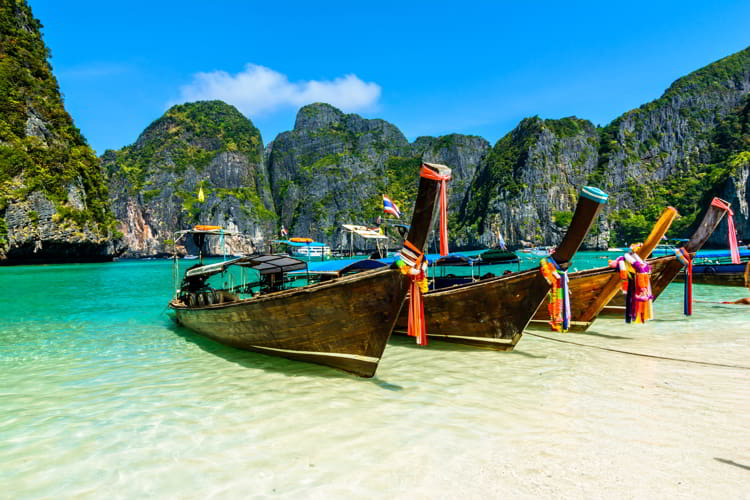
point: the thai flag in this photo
(390, 208)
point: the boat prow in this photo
(493, 312)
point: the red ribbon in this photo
(733, 250)
(428, 173)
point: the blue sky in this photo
(430, 68)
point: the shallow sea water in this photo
(101, 395)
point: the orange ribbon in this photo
(428, 173)
(417, 326)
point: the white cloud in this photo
(259, 90)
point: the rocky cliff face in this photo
(527, 187)
(53, 196)
(333, 169)
(154, 183)
(682, 149)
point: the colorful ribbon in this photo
(428, 173)
(635, 274)
(559, 296)
(733, 250)
(684, 257)
(413, 264)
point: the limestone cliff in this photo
(53, 196)
(682, 149)
(333, 169)
(527, 186)
(155, 182)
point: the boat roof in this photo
(365, 232)
(362, 265)
(217, 232)
(452, 259)
(301, 243)
(263, 263)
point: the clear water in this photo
(101, 396)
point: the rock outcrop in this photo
(682, 149)
(526, 188)
(155, 183)
(53, 196)
(333, 169)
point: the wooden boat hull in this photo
(343, 324)
(493, 312)
(596, 292)
(720, 274)
(586, 288)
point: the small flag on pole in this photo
(201, 197)
(390, 208)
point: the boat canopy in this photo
(263, 263)
(454, 260)
(212, 230)
(362, 265)
(498, 255)
(365, 232)
(292, 243)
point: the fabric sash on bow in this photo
(733, 250)
(684, 257)
(413, 264)
(559, 296)
(636, 283)
(428, 173)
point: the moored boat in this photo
(343, 322)
(492, 313)
(592, 289)
(665, 269)
(720, 273)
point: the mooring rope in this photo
(653, 356)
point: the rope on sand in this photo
(653, 356)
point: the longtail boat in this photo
(493, 312)
(343, 323)
(722, 274)
(665, 269)
(592, 289)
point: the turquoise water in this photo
(103, 396)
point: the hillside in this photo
(53, 196)
(154, 183)
(682, 149)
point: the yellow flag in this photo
(201, 198)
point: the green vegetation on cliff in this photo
(499, 175)
(713, 143)
(189, 135)
(40, 147)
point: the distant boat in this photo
(190, 257)
(343, 323)
(305, 247)
(723, 274)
